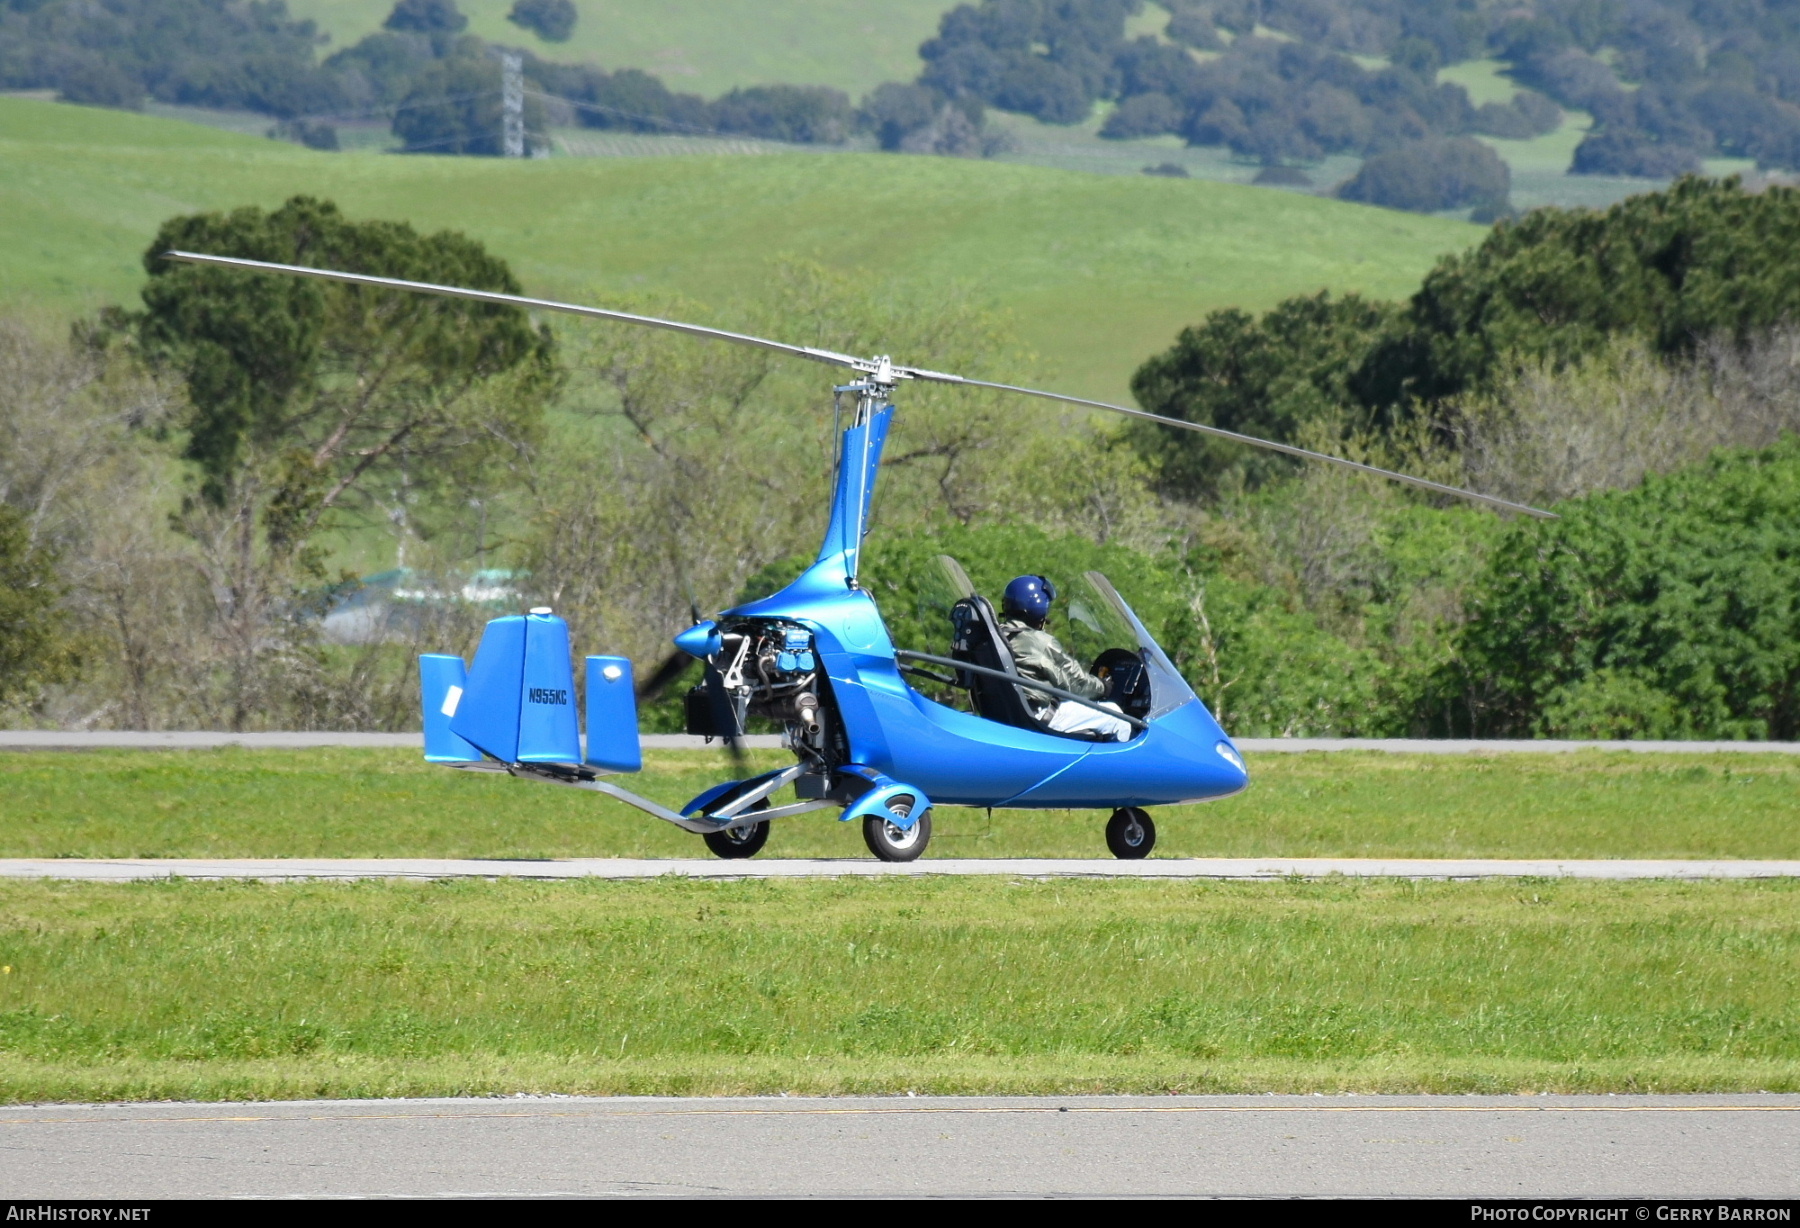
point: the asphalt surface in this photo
(299, 868)
(1463, 1146)
(51, 739)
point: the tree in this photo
(1672, 610)
(803, 114)
(1433, 175)
(1677, 266)
(454, 108)
(34, 645)
(426, 17)
(1271, 378)
(312, 400)
(551, 20)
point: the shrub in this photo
(1629, 151)
(1143, 115)
(312, 133)
(551, 20)
(802, 114)
(1672, 610)
(33, 648)
(1432, 175)
(426, 17)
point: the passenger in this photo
(1039, 656)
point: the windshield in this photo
(1103, 606)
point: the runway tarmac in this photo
(300, 868)
(1457, 1146)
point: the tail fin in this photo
(518, 704)
(612, 733)
(441, 683)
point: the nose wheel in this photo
(1130, 834)
(891, 842)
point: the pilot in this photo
(1026, 608)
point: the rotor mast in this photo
(859, 465)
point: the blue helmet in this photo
(1029, 598)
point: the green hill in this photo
(1099, 271)
(701, 46)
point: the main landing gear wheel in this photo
(1130, 834)
(738, 842)
(888, 841)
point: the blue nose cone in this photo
(700, 640)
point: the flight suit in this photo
(1040, 656)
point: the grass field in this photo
(348, 803)
(1097, 271)
(193, 990)
(701, 46)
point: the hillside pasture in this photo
(699, 46)
(1096, 271)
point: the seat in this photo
(979, 642)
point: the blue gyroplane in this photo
(816, 660)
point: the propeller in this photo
(667, 671)
(879, 371)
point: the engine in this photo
(767, 668)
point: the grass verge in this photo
(353, 803)
(199, 990)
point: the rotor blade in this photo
(1458, 492)
(670, 668)
(515, 300)
(880, 370)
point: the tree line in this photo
(179, 479)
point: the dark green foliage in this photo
(551, 20)
(1709, 79)
(627, 100)
(799, 113)
(214, 53)
(34, 647)
(266, 357)
(1620, 150)
(1527, 115)
(312, 133)
(426, 17)
(1672, 610)
(1048, 59)
(380, 70)
(1702, 259)
(919, 119)
(1429, 176)
(454, 108)
(894, 112)
(1271, 377)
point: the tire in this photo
(890, 843)
(1130, 834)
(736, 843)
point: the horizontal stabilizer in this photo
(518, 704)
(442, 680)
(612, 733)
